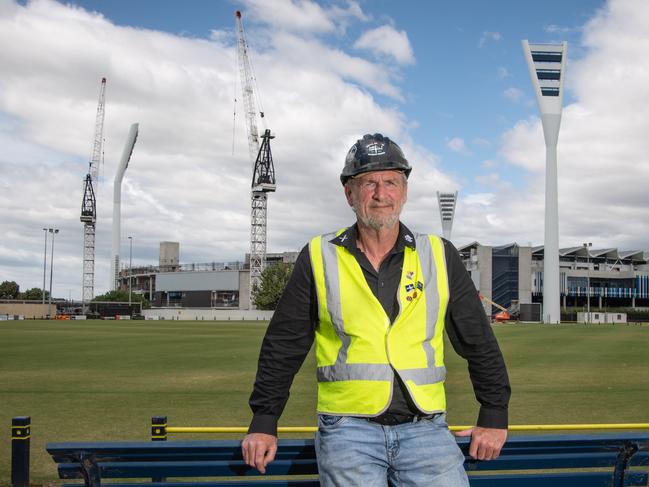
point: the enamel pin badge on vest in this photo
(410, 288)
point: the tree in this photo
(273, 281)
(9, 290)
(120, 295)
(34, 293)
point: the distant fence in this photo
(207, 314)
(633, 315)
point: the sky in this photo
(446, 80)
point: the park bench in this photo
(606, 460)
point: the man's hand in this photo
(259, 450)
(485, 442)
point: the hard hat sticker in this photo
(375, 149)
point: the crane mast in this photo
(89, 203)
(263, 172)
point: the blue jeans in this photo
(357, 452)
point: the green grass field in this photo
(98, 380)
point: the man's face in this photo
(377, 197)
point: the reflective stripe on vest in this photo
(357, 350)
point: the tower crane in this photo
(89, 203)
(263, 172)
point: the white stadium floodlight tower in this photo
(117, 204)
(547, 63)
(447, 203)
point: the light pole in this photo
(546, 63)
(117, 205)
(447, 203)
(130, 269)
(44, 264)
(587, 248)
(53, 231)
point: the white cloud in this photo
(293, 15)
(456, 144)
(386, 40)
(304, 16)
(313, 56)
(345, 16)
(489, 164)
(603, 147)
(556, 29)
(493, 180)
(481, 199)
(488, 37)
(221, 36)
(513, 94)
(183, 183)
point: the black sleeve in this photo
(287, 342)
(470, 333)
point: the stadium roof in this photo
(610, 253)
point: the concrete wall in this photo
(206, 314)
(27, 310)
(486, 275)
(524, 274)
(244, 290)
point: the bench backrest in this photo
(576, 460)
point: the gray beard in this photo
(377, 223)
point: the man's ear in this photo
(348, 193)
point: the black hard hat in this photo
(374, 153)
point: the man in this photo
(377, 298)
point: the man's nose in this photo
(379, 190)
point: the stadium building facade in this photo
(512, 274)
(509, 275)
(211, 285)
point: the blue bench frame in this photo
(545, 460)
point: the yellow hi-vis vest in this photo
(358, 351)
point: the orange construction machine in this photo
(502, 315)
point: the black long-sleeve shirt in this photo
(291, 332)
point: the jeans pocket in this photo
(329, 421)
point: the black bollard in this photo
(20, 434)
(159, 428)
(159, 433)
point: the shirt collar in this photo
(347, 238)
